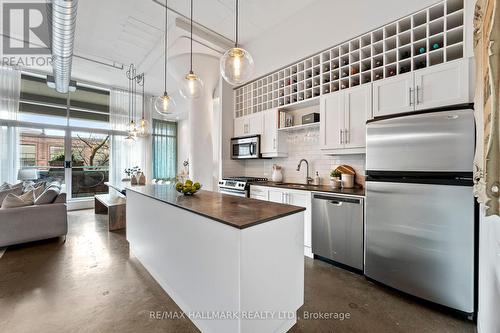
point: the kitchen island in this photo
(232, 264)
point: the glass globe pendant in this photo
(143, 129)
(143, 125)
(236, 65)
(165, 104)
(192, 85)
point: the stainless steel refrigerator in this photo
(420, 211)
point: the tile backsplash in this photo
(304, 144)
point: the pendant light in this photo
(165, 104)
(131, 124)
(236, 65)
(192, 85)
(143, 129)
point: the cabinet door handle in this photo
(341, 136)
(346, 133)
(418, 101)
(411, 90)
(274, 143)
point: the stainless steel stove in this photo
(238, 186)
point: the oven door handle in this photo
(229, 191)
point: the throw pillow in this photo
(15, 191)
(48, 196)
(33, 187)
(14, 201)
(18, 185)
(4, 186)
(38, 190)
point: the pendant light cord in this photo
(166, 39)
(143, 102)
(191, 68)
(237, 21)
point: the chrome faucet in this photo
(308, 179)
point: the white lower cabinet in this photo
(289, 197)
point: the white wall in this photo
(324, 24)
(304, 144)
(489, 274)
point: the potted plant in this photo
(335, 181)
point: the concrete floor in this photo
(91, 284)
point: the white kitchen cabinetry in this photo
(436, 86)
(289, 197)
(273, 143)
(331, 115)
(343, 120)
(393, 95)
(249, 125)
(442, 85)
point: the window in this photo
(88, 107)
(164, 149)
(27, 155)
(55, 152)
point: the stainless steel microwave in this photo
(247, 147)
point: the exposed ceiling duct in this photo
(63, 40)
(204, 33)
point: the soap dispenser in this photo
(317, 179)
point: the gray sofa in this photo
(32, 223)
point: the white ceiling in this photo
(131, 31)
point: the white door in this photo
(442, 85)
(240, 125)
(393, 95)
(303, 199)
(268, 143)
(358, 109)
(256, 123)
(331, 131)
(276, 195)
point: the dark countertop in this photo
(234, 211)
(358, 191)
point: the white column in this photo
(200, 116)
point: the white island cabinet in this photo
(231, 264)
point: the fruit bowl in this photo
(188, 188)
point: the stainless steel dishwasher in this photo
(337, 228)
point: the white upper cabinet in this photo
(343, 117)
(442, 85)
(331, 130)
(249, 125)
(437, 86)
(393, 95)
(358, 109)
(240, 126)
(256, 124)
(273, 143)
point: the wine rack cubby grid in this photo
(426, 38)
